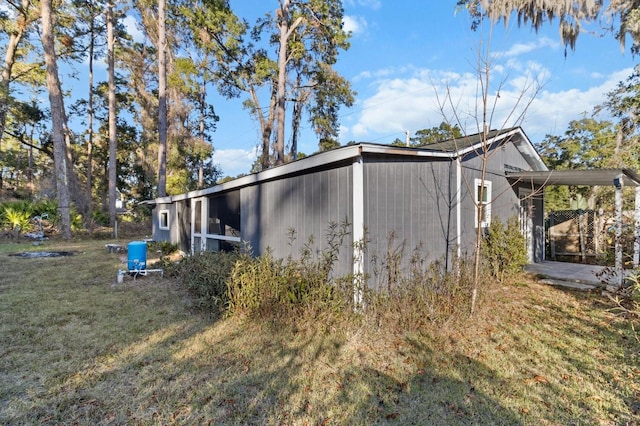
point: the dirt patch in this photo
(39, 254)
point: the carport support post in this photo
(617, 182)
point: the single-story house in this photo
(423, 198)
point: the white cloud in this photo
(5, 9)
(519, 49)
(235, 161)
(131, 25)
(428, 97)
(355, 25)
(383, 73)
(551, 112)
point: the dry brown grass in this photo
(76, 348)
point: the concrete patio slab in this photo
(570, 284)
(567, 272)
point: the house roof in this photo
(600, 177)
(469, 141)
(476, 142)
(444, 150)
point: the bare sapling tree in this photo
(486, 115)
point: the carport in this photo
(618, 178)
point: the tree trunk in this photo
(266, 124)
(202, 104)
(24, 20)
(298, 106)
(283, 25)
(162, 102)
(113, 142)
(9, 60)
(58, 119)
(90, 116)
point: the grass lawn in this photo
(78, 348)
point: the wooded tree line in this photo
(148, 130)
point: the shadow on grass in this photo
(135, 354)
(242, 373)
(579, 360)
(293, 379)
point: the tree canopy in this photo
(619, 17)
(282, 65)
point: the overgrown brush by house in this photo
(504, 250)
(428, 294)
(409, 293)
(294, 287)
(627, 301)
(165, 248)
(206, 276)
(266, 287)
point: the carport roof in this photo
(600, 177)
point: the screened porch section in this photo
(215, 222)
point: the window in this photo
(483, 202)
(163, 219)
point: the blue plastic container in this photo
(137, 255)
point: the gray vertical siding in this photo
(179, 224)
(413, 197)
(304, 204)
(163, 234)
(409, 205)
(506, 203)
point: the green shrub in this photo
(17, 218)
(292, 287)
(165, 248)
(205, 276)
(100, 217)
(48, 207)
(15, 212)
(504, 249)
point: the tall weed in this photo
(286, 288)
(423, 293)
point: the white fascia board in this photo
(311, 162)
(480, 144)
(523, 144)
(411, 152)
(314, 161)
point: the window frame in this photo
(480, 204)
(164, 225)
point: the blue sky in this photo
(410, 59)
(407, 55)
